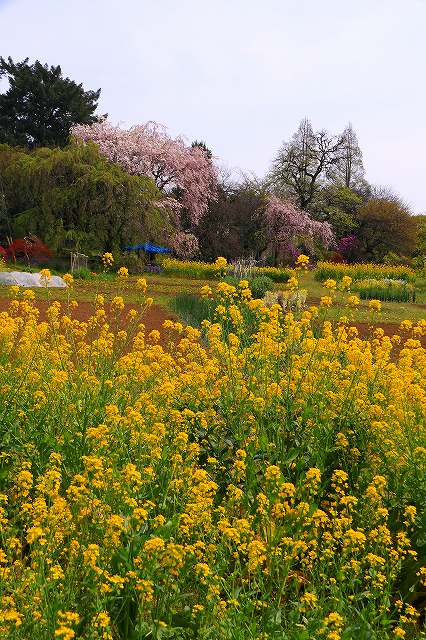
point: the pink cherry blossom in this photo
(287, 223)
(148, 150)
(185, 245)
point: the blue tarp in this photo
(147, 246)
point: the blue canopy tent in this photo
(149, 248)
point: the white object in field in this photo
(293, 300)
(30, 280)
(78, 261)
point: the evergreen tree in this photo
(40, 105)
(202, 145)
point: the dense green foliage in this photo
(385, 289)
(275, 273)
(233, 224)
(338, 205)
(259, 285)
(384, 226)
(74, 198)
(421, 235)
(40, 106)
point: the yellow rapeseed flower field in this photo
(197, 269)
(261, 478)
(361, 271)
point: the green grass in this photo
(161, 288)
(165, 289)
(392, 312)
(191, 308)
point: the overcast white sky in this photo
(240, 74)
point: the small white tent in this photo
(30, 280)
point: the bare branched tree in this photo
(304, 164)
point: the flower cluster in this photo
(264, 477)
(45, 276)
(185, 245)
(302, 261)
(210, 270)
(362, 271)
(287, 223)
(107, 260)
(123, 272)
(148, 150)
(68, 279)
(221, 265)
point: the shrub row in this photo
(361, 271)
(385, 289)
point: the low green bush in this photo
(394, 259)
(386, 289)
(277, 274)
(259, 285)
(132, 261)
(82, 274)
(419, 264)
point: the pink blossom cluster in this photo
(148, 150)
(185, 245)
(286, 223)
(347, 244)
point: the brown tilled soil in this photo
(153, 318)
(366, 330)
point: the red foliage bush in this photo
(337, 258)
(31, 249)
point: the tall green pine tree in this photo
(40, 105)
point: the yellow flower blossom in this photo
(123, 272)
(375, 305)
(68, 279)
